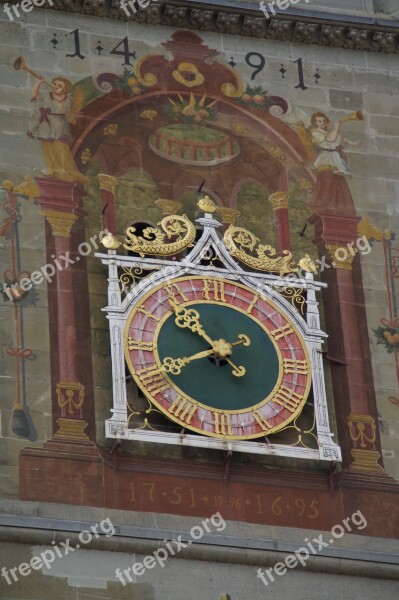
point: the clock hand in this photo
(242, 339)
(175, 365)
(237, 371)
(190, 318)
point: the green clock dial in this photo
(210, 379)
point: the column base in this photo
(366, 460)
(71, 430)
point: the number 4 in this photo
(125, 52)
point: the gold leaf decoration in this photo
(111, 129)
(277, 153)
(86, 156)
(175, 234)
(148, 114)
(244, 245)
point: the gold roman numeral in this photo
(139, 345)
(148, 314)
(262, 421)
(222, 423)
(183, 409)
(214, 287)
(174, 292)
(153, 379)
(288, 398)
(251, 306)
(282, 332)
(295, 366)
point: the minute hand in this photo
(190, 318)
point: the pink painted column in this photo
(345, 318)
(108, 185)
(279, 202)
(61, 205)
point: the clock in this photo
(218, 357)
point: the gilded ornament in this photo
(239, 128)
(229, 215)
(346, 261)
(26, 188)
(110, 242)
(108, 183)
(148, 114)
(277, 153)
(154, 240)
(86, 156)
(111, 129)
(230, 90)
(207, 205)
(146, 79)
(168, 207)
(367, 229)
(188, 69)
(71, 429)
(279, 200)
(240, 242)
(305, 185)
(65, 391)
(61, 222)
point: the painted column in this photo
(61, 205)
(345, 318)
(279, 201)
(108, 185)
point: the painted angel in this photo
(57, 109)
(326, 147)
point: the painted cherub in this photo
(329, 145)
(57, 109)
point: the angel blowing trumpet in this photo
(326, 147)
(57, 109)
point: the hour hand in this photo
(175, 365)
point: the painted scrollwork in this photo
(244, 246)
(176, 234)
(146, 79)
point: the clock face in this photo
(218, 357)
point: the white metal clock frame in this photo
(118, 310)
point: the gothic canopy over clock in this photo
(221, 338)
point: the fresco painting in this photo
(178, 119)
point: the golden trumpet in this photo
(20, 65)
(358, 115)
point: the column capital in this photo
(279, 200)
(341, 256)
(229, 215)
(61, 222)
(108, 183)
(168, 207)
